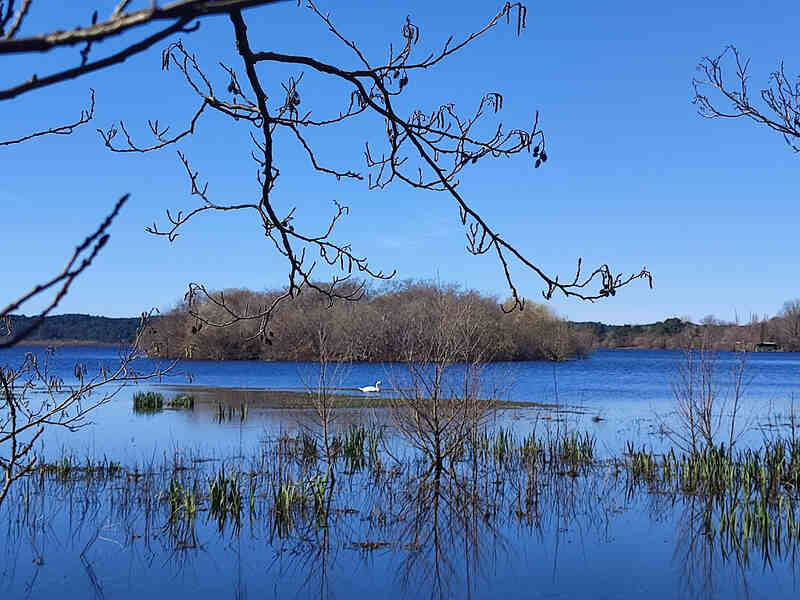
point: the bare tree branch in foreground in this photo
(33, 400)
(180, 13)
(781, 98)
(81, 259)
(426, 148)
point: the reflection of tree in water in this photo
(699, 554)
(444, 536)
(723, 541)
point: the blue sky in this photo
(635, 176)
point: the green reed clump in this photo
(181, 401)
(782, 461)
(574, 450)
(643, 465)
(286, 496)
(183, 502)
(225, 498)
(502, 445)
(353, 447)
(317, 486)
(532, 452)
(709, 471)
(148, 402)
(669, 467)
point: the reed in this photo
(148, 402)
(353, 448)
(318, 485)
(183, 501)
(574, 450)
(503, 445)
(225, 498)
(748, 499)
(308, 449)
(181, 401)
(69, 468)
(643, 466)
(286, 496)
(532, 452)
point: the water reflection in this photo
(284, 519)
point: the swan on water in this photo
(371, 388)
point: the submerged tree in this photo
(442, 401)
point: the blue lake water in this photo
(587, 537)
(629, 390)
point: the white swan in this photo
(371, 388)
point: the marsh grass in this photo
(308, 448)
(286, 496)
(67, 468)
(748, 498)
(225, 498)
(360, 446)
(181, 401)
(183, 501)
(575, 450)
(503, 445)
(148, 402)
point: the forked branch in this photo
(781, 98)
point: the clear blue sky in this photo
(635, 176)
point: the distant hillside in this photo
(662, 334)
(76, 328)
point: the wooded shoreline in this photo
(378, 328)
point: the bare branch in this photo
(86, 116)
(120, 22)
(158, 133)
(15, 25)
(36, 82)
(81, 259)
(781, 98)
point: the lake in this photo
(566, 532)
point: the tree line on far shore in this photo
(393, 323)
(72, 328)
(377, 327)
(779, 333)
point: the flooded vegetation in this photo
(436, 491)
(302, 522)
